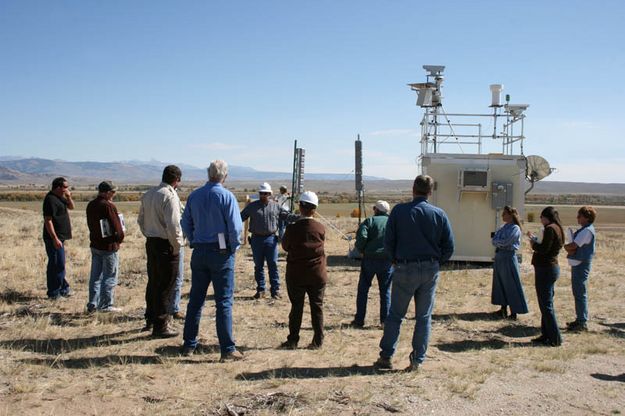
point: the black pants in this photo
(162, 274)
(297, 294)
(545, 281)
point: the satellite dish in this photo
(537, 168)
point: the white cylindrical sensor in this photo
(495, 90)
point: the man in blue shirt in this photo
(212, 223)
(418, 239)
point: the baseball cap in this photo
(106, 186)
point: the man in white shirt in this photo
(159, 220)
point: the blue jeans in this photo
(174, 302)
(208, 265)
(55, 272)
(103, 278)
(265, 249)
(383, 269)
(545, 278)
(579, 284)
(416, 281)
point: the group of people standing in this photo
(507, 289)
(404, 247)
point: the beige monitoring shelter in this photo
(473, 188)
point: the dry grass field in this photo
(55, 359)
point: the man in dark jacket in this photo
(305, 270)
(106, 233)
(375, 262)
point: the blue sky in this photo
(192, 81)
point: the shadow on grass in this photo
(469, 316)
(518, 331)
(342, 261)
(57, 346)
(11, 296)
(310, 372)
(471, 345)
(608, 377)
(616, 329)
(174, 350)
(88, 362)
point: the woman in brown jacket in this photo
(305, 271)
(547, 271)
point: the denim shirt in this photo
(508, 237)
(210, 210)
(417, 230)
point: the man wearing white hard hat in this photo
(264, 215)
(375, 262)
(305, 270)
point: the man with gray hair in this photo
(212, 223)
(418, 239)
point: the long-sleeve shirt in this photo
(211, 210)
(546, 252)
(159, 215)
(370, 237)
(264, 218)
(417, 230)
(508, 237)
(100, 209)
(306, 260)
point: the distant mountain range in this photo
(42, 171)
(17, 171)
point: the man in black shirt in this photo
(56, 229)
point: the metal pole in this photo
(293, 180)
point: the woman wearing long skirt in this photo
(507, 287)
(547, 271)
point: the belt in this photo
(262, 235)
(424, 260)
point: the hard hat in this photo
(309, 197)
(265, 187)
(283, 188)
(382, 206)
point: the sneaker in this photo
(165, 333)
(56, 298)
(276, 295)
(110, 309)
(512, 317)
(577, 326)
(231, 356)
(178, 315)
(90, 308)
(288, 345)
(413, 366)
(259, 294)
(68, 293)
(187, 351)
(383, 363)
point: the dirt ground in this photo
(56, 359)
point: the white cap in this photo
(265, 187)
(309, 197)
(382, 206)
